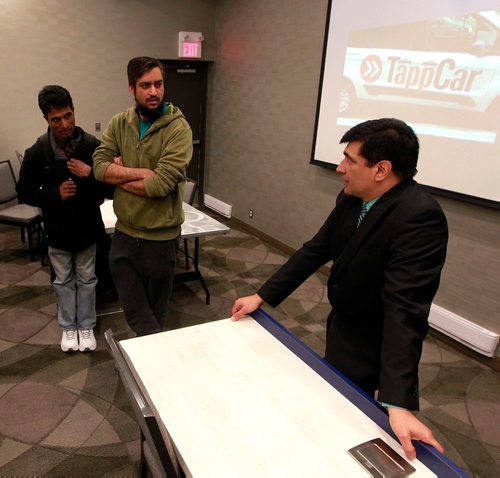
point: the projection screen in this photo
(435, 65)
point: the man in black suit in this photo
(387, 238)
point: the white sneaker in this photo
(87, 340)
(69, 341)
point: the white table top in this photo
(196, 223)
(238, 403)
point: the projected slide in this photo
(435, 67)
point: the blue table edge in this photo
(428, 455)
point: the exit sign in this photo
(190, 44)
(191, 50)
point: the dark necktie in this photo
(362, 214)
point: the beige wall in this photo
(263, 93)
(84, 45)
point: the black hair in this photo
(142, 64)
(54, 96)
(387, 139)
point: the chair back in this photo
(189, 191)
(7, 182)
(19, 157)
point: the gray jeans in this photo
(74, 286)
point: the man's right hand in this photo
(67, 189)
(246, 305)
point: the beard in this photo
(151, 113)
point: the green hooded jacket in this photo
(166, 148)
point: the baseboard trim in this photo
(492, 362)
(217, 205)
(472, 335)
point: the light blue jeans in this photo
(74, 286)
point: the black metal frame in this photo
(195, 274)
(159, 450)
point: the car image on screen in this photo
(444, 63)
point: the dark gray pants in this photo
(143, 272)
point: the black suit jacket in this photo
(383, 279)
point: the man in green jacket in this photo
(145, 152)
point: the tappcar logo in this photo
(371, 68)
(427, 75)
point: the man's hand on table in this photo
(407, 427)
(246, 305)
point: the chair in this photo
(157, 454)
(189, 194)
(190, 191)
(19, 157)
(22, 215)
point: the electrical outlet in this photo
(98, 127)
(250, 213)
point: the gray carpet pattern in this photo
(67, 415)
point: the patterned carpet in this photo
(67, 415)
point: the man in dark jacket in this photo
(387, 238)
(56, 175)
